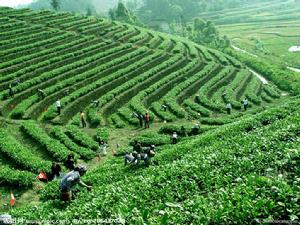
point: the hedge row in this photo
(54, 147)
(19, 111)
(81, 138)
(16, 178)
(137, 101)
(282, 77)
(58, 133)
(20, 154)
(170, 98)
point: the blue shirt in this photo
(69, 180)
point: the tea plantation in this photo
(242, 168)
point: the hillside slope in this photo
(128, 69)
(242, 173)
(241, 167)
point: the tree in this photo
(111, 14)
(55, 4)
(121, 13)
(199, 24)
(89, 12)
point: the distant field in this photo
(267, 30)
(275, 40)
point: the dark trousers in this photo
(141, 123)
(11, 93)
(58, 110)
(146, 124)
(228, 111)
(83, 123)
(245, 107)
(174, 141)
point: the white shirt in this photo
(57, 103)
(103, 149)
(228, 106)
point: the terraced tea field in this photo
(79, 60)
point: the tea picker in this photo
(58, 106)
(146, 120)
(70, 162)
(174, 138)
(82, 119)
(195, 129)
(164, 108)
(41, 94)
(245, 104)
(141, 118)
(150, 153)
(69, 181)
(131, 158)
(10, 91)
(228, 108)
(96, 103)
(6, 219)
(137, 147)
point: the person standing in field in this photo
(11, 91)
(174, 138)
(58, 106)
(141, 119)
(82, 119)
(228, 108)
(103, 148)
(147, 120)
(245, 104)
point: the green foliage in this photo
(283, 78)
(117, 121)
(25, 58)
(230, 174)
(16, 178)
(197, 107)
(95, 85)
(151, 138)
(81, 138)
(93, 117)
(85, 153)
(78, 6)
(182, 11)
(55, 4)
(102, 133)
(121, 13)
(205, 33)
(137, 102)
(54, 147)
(188, 182)
(20, 154)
